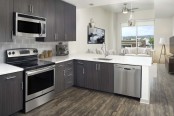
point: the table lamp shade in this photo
(162, 41)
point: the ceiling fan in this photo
(125, 10)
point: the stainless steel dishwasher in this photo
(127, 80)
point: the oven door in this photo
(39, 82)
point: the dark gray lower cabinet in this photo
(64, 76)
(80, 73)
(94, 75)
(91, 80)
(11, 93)
(59, 79)
(106, 77)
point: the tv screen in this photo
(172, 45)
(96, 35)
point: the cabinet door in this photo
(91, 80)
(6, 20)
(106, 77)
(38, 7)
(60, 23)
(23, 6)
(59, 79)
(50, 20)
(70, 22)
(69, 74)
(11, 93)
(79, 74)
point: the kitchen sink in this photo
(103, 59)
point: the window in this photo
(141, 35)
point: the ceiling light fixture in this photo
(131, 21)
(125, 10)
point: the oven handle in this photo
(41, 70)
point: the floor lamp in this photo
(162, 42)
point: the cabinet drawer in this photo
(69, 64)
(69, 71)
(11, 76)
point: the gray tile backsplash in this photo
(25, 43)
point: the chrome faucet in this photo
(103, 48)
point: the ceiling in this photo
(163, 8)
(85, 3)
(141, 5)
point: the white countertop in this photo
(132, 60)
(7, 69)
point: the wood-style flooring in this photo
(84, 102)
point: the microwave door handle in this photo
(41, 28)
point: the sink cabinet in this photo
(94, 75)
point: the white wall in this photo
(122, 18)
(102, 19)
(173, 25)
(163, 28)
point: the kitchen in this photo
(44, 61)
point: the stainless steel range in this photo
(39, 76)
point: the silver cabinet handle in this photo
(22, 86)
(96, 67)
(29, 8)
(79, 62)
(55, 36)
(13, 77)
(64, 72)
(60, 66)
(83, 71)
(65, 36)
(32, 9)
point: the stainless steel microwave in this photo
(29, 26)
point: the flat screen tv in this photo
(171, 45)
(96, 35)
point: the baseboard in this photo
(144, 101)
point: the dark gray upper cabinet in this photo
(70, 22)
(80, 73)
(23, 6)
(60, 21)
(59, 79)
(11, 93)
(32, 7)
(106, 77)
(50, 20)
(6, 20)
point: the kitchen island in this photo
(144, 62)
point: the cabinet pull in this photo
(32, 9)
(80, 63)
(22, 86)
(83, 71)
(55, 37)
(64, 72)
(8, 78)
(96, 67)
(60, 65)
(65, 36)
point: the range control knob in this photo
(13, 52)
(35, 51)
(9, 53)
